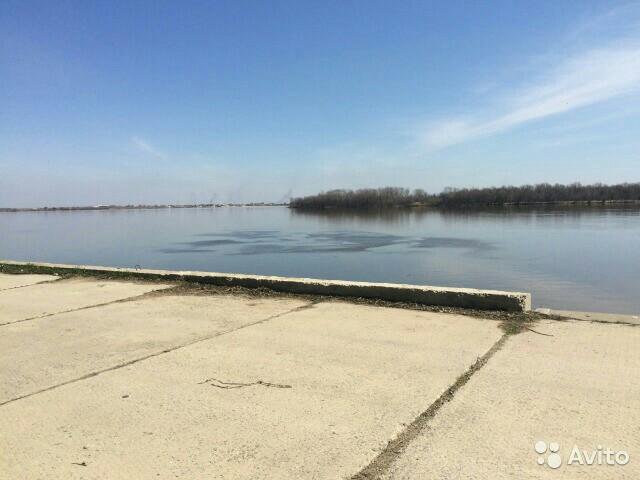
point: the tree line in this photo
(377, 198)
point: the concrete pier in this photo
(124, 378)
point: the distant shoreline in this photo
(570, 203)
(138, 207)
(562, 203)
(452, 198)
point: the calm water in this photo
(587, 259)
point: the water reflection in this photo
(393, 216)
(525, 213)
(243, 234)
(258, 242)
(449, 242)
(210, 243)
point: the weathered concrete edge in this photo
(598, 317)
(422, 294)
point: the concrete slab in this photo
(592, 316)
(44, 352)
(63, 295)
(579, 387)
(337, 382)
(14, 281)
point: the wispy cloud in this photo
(580, 80)
(146, 147)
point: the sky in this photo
(238, 101)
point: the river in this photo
(568, 258)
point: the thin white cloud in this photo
(147, 148)
(581, 80)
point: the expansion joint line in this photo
(161, 352)
(394, 449)
(97, 305)
(32, 284)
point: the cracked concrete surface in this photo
(357, 375)
(112, 384)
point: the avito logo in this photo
(549, 454)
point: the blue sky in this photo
(154, 102)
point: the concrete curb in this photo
(426, 295)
